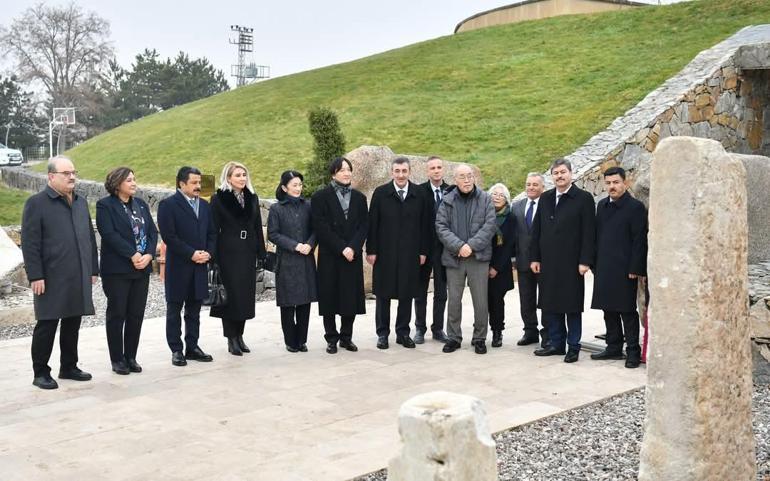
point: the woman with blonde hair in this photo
(240, 244)
(500, 266)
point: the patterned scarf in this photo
(500, 217)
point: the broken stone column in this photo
(698, 423)
(444, 437)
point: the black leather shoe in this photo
(234, 347)
(545, 342)
(405, 341)
(348, 346)
(177, 359)
(605, 354)
(527, 340)
(419, 337)
(632, 363)
(439, 336)
(480, 346)
(121, 368)
(291, 349)
(244, 347)
(549, 351)
(382, 342)
(451, 346)
(197, 354)
(45, 382)
(572, 356)
(331, 348)
(303, 348)
(497, 339)
(75, 374)
(133, 366)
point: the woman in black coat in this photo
(340, 222)
(129, 241)
(240, 243)
(290, 228)
(500, 267)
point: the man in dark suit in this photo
(562, 251)
(396, 247)
(434, 190)
(621, 260)
(524, 213)
(186, 226)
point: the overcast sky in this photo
(289, 36)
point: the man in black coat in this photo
(434, 190)
(187, 228)
(397, 245)
(621, 259)
(562, 251)
(59, 249)
(524, 212)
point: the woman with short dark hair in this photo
(289, 227)
(129, 240)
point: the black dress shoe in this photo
(349, 346)
(497, 339)
(545, 342)
(382, 342)
(527, 340)
(133, 366)
(121, 368)
(632, 363)
(549, 351)
(74, 374)
(303, 348)
(439, 336)
(451, 346)
(480, 346)
(244, 347)
(605, 354)
(234, 347)
(177, 359)
(45, 382)
(197, 354)
(405, 341)
(331, 348)
(572, 356)
(419, 337)
(291, 349)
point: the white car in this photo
(10, 156)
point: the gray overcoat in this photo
(59, 246)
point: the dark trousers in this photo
(496, 303)
(620, 325)
(330, 327)
(559, 332)
(192, 323)
(382, 317)
(42, 344)
(528, 304)
(294, 322)
(439, 296)
(126, 300)
(233, 327)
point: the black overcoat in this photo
(59, 246)
(289, 224)
(501, 258)
(240, 242)
(117, 234)
(184, 233)
(340, 283)
(398, 235)
(621, 249)
(562, 238)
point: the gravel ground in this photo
(596, 442)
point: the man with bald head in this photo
(60, 258)
(465, 225)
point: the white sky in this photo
(289, 36)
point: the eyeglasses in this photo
(498, 194)
(464, 177)
(67, 173)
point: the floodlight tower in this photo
(245, 72)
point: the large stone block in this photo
(445, 437)
(758, 197)
(698, 424)
(10, 256)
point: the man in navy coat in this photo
(186, 226)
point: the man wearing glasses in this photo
(60, 258)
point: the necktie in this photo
(192, 204)
(528, 216)
(438, 199)
(558, 198)
(401, 194)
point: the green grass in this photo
(509, 98)
(11, 205)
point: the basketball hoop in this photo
(61, 116)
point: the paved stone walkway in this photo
(271, 415)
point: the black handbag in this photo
(217, 296)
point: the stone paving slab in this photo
(271, 415)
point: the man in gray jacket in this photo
(465, 224)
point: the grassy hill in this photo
(508, 98)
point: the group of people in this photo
(455, 234)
